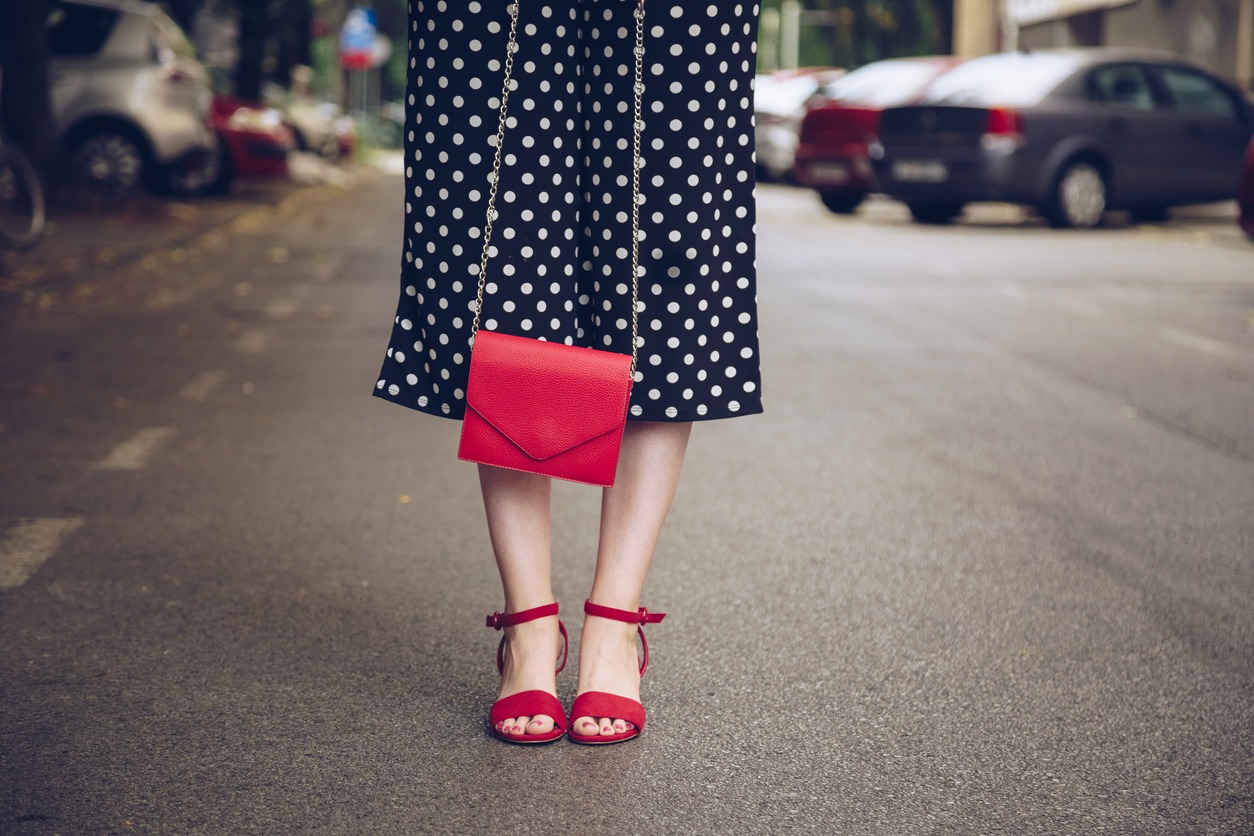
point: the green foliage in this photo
(849, 33)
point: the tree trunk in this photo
(25, 111)
(253, 18)
(294, 44)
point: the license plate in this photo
(836, 174)
(920, 171)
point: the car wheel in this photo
(935, 213)
(191, 182)
(223, 170)
(1079, 198)
(110, 162)
(841, 203)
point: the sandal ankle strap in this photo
(501, 620)
(640, 618)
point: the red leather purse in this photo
(546, 407)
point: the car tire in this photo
(109, 161)
(841, 203)
(224, 171)
(1078, 199)
(935, 214)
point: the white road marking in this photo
(28, 544)
(282, 308)
(1195, 342)
(253, 340)
(199, 390)
(136, 451)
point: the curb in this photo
(73, 257)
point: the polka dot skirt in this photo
(561, 269)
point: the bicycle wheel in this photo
(21, 200)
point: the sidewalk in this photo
(85, 241)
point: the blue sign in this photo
(359, 30)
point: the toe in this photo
(586, 726)
(606, 726)
(514, 726)
(540, 724)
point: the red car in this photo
(253, 140)
(1245, 192)
(832, 153)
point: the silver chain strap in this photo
(637, 129)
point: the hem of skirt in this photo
(458, 414)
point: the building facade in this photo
(1216, 33)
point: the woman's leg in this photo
(517, 506)
(632, 513)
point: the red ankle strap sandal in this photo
(602, 704)
(527, 703)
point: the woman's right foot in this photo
(527, 710)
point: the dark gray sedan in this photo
(1070, 132)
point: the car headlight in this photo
(259, 120)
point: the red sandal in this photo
(527, 703)
(601, 704)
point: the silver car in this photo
(130, 100)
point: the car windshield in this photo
(1012, 79)
(783, 95)
(882, 84)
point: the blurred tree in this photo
(295, 36)
(256, 19)
(184, 12)
(25, 110)
(849, 33)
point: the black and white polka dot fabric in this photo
(562, 263)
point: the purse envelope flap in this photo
(547, 397)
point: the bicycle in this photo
(22, 212)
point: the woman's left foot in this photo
(608, 708)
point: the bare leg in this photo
(632, 513)
(517, 506)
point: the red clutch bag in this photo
(547, 407)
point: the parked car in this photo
(831, 155)
(1245, 193)
(1069, 132)
(130, 101)
(253, 141)
(779, 103)
(317, 124)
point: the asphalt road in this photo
(986, 565)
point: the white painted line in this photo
(1195, 342)
(28, 544)
(135, 452)
(282, 308)
(253, 340)
(199, 390)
